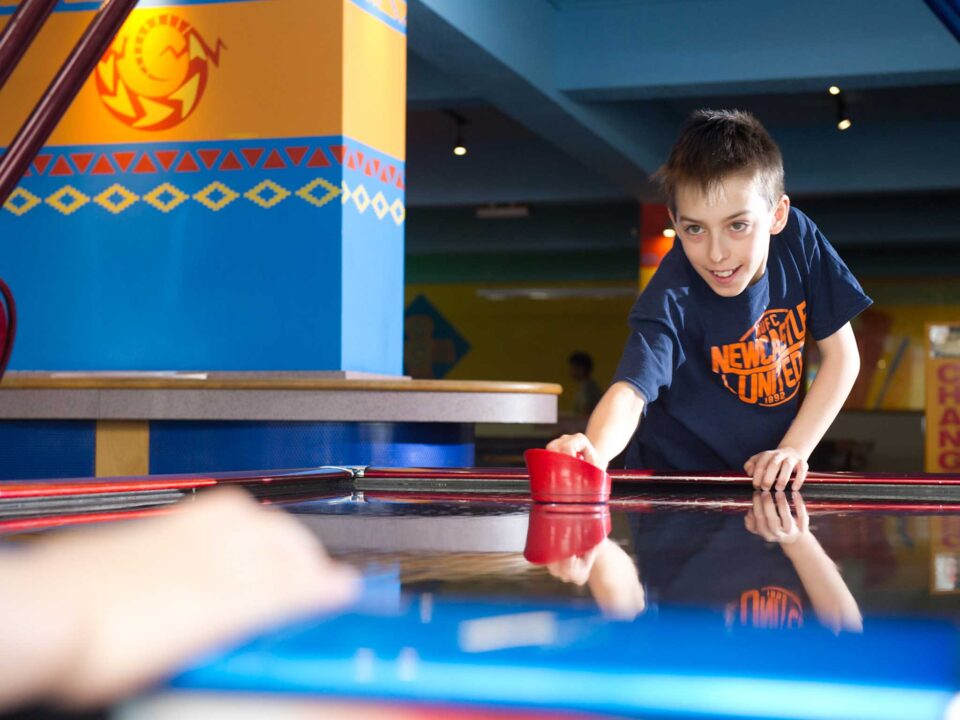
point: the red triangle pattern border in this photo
(280, 157)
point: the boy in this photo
(715, 357)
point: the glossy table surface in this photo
(681, 609)
(677, 598)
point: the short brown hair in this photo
(714, 144)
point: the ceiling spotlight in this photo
(843, 117)
(459, 146)
(502, 212)
(834, 90)
(669, 233)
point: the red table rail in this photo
(665, 478)
(150, 483)
(95, 486)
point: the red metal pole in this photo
(64, 88)
(20, 32)
(10, 316)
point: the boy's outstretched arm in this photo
(612, 424)
(839, 366)
(832, 601)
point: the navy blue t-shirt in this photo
(711, 561)
(721, 375)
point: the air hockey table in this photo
(664, 602)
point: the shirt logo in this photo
(765, 367)
(768, 608)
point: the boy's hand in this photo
(578, 445)
(611, 576)
(575, 569)
(772, 520)
(776, 466)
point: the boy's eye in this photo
(738, 226)
(693, 229)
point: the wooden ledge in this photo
(262, 381)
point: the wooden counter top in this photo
(274, 396)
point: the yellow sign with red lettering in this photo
(943, 398)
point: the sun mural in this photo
(153, 75)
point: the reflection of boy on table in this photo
(611, 576)
(699, 559)
(767, 578)
(571, 541)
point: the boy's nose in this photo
(716, 251)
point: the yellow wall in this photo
(525, 339)
(296, 68)
(906, 385)
(273, 77)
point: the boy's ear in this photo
(781, 213)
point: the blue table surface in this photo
(404, 641)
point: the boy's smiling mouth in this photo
(725, 276)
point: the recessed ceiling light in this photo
(669, 233)
(834, 90)
(844, 124)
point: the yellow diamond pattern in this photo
(155, 197)
(167, 197)
(105, 199)
(59, 201)
(398, 211)
(21, 202)
(227, 196)
(279, 194)
(307, 192)
(361, 198)
(380, 205)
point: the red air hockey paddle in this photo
(559, 478)
(558, 532)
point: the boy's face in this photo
(726, 233)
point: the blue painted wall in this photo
(237, 266)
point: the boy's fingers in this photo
(590, 454)
(786, 517)
(770, 473)
(758, 470)
(763, 528)
(757, 512)
(578, 445)
(567, 444)
(770, 515)
(803, 518)
(786, 470)
(802, 468)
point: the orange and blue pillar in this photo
(225, 193)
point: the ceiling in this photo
(580, 100)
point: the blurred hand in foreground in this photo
(94, 615)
